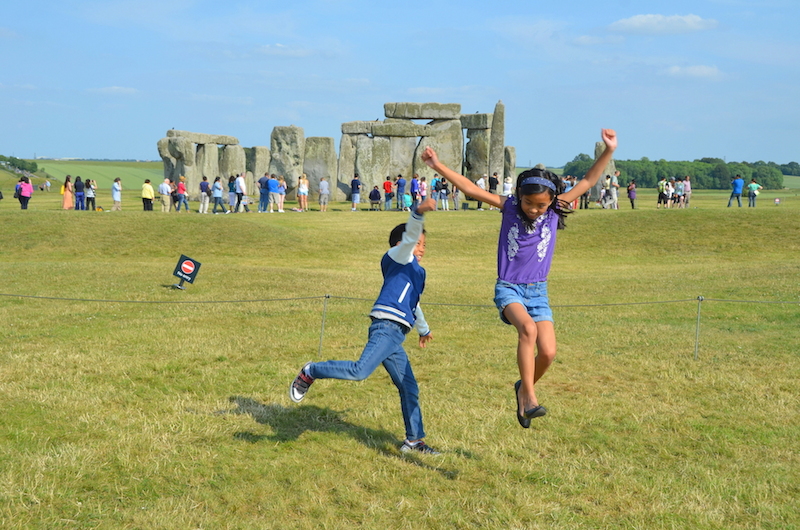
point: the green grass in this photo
(791, 182)
(176, 415)
(133, 174)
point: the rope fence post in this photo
(697, 327)
(322, 329)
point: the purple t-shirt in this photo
(523, 256)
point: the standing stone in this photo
(287, 145)
(476, 156)
(372, 161)
(169, 160)
(232, 162)
(510, 164)
(447, 141)
(257, 163)
(497, 140)
(319, 160)
(401, 157)
(183, 151)
(347, 166)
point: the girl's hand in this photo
(609, 138)
(429, 157)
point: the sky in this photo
(678, 80)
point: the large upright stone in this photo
(497, 140)
(347, 166)
(510, 163)
(372, 161)
(201, 138)
(232, 162)
(287, 145)
(257, 163)
(401, 158)
(319, 161)
(207, 165)
(476, 154)
(447, 141)
(169, 161)
(183, 152)
(423, 111)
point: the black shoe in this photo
(299, 387)
(525, 422)
(535, 412)
(419, 447)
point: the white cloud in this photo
(281, 50)
(114, 91)
(698, 71)
(662, 25)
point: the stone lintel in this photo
(476, 121)
(422, 111)
(202, 138)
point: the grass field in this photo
(133, 174)
(176, 415)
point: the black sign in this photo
(186, 269)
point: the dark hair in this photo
(78, 178)
(560, 207)
(397, 234)
(231, 179)
(68, 179)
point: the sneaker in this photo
(419, 447)
(299, 387)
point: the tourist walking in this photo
(241, 193)
(165, 192)
(90, 190)
(231, 193)
(24, 192)
(68, 199)
(116, 195)
(182, 197)
(148, 194)
(216, 194)
(753, 189)
(687, 191)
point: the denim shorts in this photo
(532, 296)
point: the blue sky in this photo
(679, 80)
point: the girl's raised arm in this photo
(594, 173)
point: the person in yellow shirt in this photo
(148, 194)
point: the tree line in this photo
(24, 165)
(706, 173)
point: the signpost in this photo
(186, 270)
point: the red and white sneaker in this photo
(299, 387)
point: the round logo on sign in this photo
(187, 267)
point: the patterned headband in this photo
(538, 180)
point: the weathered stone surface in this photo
(401, 157)
(497, 139)
(476, 154)
(372, 161)
(610, 169)
(422, 111)
(319, 161)
(346, 167)
(206, 165)
(287, 145)
(232, 162)
(358, 127)
(202, 138)
(182, 151)
(257, 162)
(167, 158)
(510, 163)
(476, 121)
(403, 128)
(447, 141)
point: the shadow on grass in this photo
(289, 423)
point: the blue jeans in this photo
(217, 202)
(751, 200)
(182, 200)
(738, 198)
(388, 200)
(79, 204)
(263, 200)
(385, 346)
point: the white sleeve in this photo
(403, 252)
(421, 325)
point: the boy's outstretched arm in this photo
(593, 175)
(460, 181)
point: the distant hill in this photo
(133, 174)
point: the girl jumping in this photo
(531, 217)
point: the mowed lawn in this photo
(128, 404)
(133, 174)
